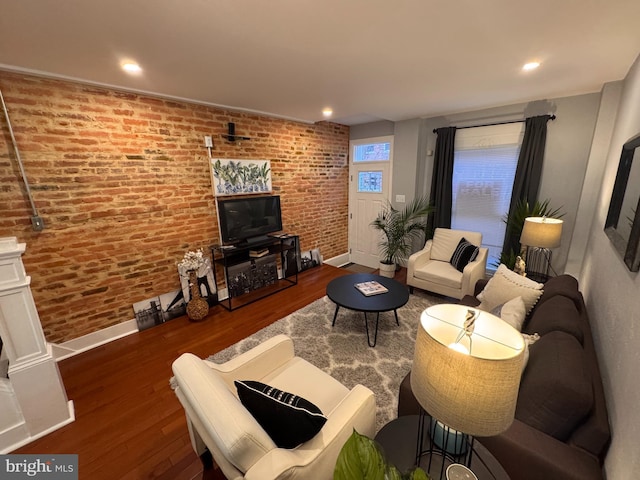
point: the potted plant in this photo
(399, 228)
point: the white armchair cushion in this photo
(441, 273)
(445, 242)
(302, 378)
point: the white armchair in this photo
(219, 423)
(430, 269)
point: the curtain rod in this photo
(551, 117)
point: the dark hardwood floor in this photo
(129, 424)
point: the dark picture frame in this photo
(623, 219)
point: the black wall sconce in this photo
(231, 136)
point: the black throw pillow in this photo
(288, 419)
(464, 253)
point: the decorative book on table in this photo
(371, 288)
(258, 253)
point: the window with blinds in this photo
(485, 161)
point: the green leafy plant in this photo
(515, 224)
(400, 228)
(361, 459)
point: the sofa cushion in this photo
(557, 313)
(506, 285)
(464, 253)
(564, 285)
(288, 419)
(555, 391)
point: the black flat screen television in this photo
(249, 219)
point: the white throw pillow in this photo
(506, 285)
(513, 312)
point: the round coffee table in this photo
(343, 293)
(398, 440)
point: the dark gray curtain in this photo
(441, 183)
(527, 179)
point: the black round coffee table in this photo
(343, 293)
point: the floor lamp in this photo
(466, 374)
(540, 235)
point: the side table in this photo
(398, 441)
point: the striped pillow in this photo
(288, 419)
(464, 253)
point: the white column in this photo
(33, 397)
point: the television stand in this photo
(248, 279)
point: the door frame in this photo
(353, 181)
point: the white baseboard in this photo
(92, 340)
(338, 260)
(22, 437)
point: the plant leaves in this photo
(400, 228)
(360, 459)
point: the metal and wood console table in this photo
(253, 271)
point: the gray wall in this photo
(405, 153)
(368, 130)
(613, 300)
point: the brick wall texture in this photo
(123, 184)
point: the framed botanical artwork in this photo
(236, 177)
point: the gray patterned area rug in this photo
(343, 352)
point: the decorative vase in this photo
(387, 270)
(197, 308)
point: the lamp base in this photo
(538, 263)
(445, 446)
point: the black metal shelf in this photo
(248, 279)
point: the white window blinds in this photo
(485, 163)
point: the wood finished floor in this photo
(129, 424)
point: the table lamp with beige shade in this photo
(466, 374)
(539, 236)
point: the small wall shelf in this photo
(231, 136)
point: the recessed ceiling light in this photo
(327, 112)
(131, 67)
(530, 66)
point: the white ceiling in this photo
(367, 59)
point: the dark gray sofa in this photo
(561, 427)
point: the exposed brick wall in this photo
(122, 182)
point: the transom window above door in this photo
(372, 152)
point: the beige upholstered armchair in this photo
(220, 423)
(433, 268)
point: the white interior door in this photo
(369, 188)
